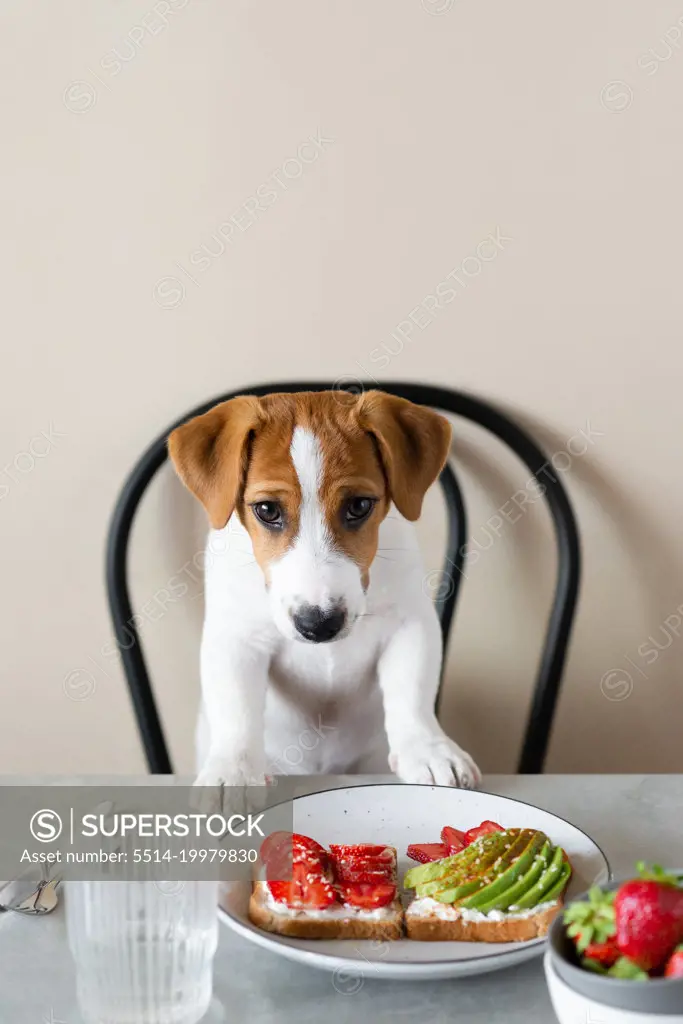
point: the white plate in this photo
(398, 815)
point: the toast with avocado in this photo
(505, 886)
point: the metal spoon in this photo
(42, 900)
(47, 898)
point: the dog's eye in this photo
(357, 509)
(269, 512)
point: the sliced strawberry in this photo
(364, 851)
(376, 863)
(283, 892)
(273, 844)
(302, 896)
(674, 965)
(310, 859)
(277, 855)
(382, 863)
(278, 844)
(303, 874)
(453, 838)
(473, 834)
(310, 887)
(318, 895)
(346, 871)
(426, 852)
(281, 851)
(364, 863)
(369, 897)
(305, 843)
(605, 953)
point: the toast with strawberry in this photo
(308, 892)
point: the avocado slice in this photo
(509, 898)
(554, 891)
(455, 864)
(433, 888)
(496, 854)
(510, 865)
(455, 893)
(516, 889)
(472, 870)
(547, 879)
(435, 869)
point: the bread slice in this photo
(302, 925)
(425, 926)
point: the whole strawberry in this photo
(649, 917)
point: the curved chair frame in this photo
(553, 656)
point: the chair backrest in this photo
(457, 403)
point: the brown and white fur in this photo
(321, 649)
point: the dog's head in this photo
(311, 476)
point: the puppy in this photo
(321, 649)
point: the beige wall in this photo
(446, 121)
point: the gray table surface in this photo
(629, 816)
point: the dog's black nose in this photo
(319, 626)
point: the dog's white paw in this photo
(221, 786)
(436, 760)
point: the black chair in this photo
(554, 652)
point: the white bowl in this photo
(573, 1007)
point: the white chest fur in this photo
(323, 708)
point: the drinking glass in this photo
(143, 950)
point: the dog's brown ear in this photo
(413, 443)
(210, 454)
